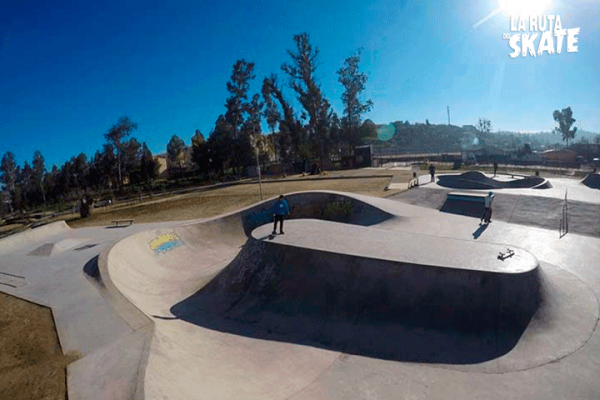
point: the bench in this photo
(467, 196)
(123, 221)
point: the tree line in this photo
(32, 185)
(314, 131)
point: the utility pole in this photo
(448, 115)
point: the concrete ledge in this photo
(478, 197)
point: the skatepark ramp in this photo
(592, 180)
(478, 180)
(326, 283)
(22, 239)
(186, 258)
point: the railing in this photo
(564, 221)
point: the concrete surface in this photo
(205, 310)
(540, 208)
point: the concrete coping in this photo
(403, 247)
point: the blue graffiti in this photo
(163, 248)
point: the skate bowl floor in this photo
(479, 180)
(240, 313)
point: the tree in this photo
(131, 159)
(272, 114)
(238, 86)
(250, 128)
(147, 165)
(484, 125)
(220, 143)
(201, 153)
(26, 181)
(262, 146)
(368, 131)
(8, 173)
(354, 83)
(301, 74)
(565, 120)
(39, 172)
(233, 130)
(175, 150)
(291, 140)
(8, 170)
(115, 136)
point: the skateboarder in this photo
(280, 209)
(495, 167)
(432, 172)
(487, 213)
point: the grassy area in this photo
(217, 201)
(32, 365)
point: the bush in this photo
(457, 164)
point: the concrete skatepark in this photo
(361, 298)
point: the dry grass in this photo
(218, 201)
(32, 365)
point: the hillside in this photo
(420, 137)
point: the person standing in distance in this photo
(432, 172)
(280, 209)
(487, 213)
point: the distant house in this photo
(560, 158)
(588, 151)
(167, 166)
(161, 161)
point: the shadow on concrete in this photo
(463, 207)
(480, 230)
(91, 269)
(85, 247)
(291, 297)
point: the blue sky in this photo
(70, 69)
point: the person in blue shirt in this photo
(280, 209)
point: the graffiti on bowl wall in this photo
(166, 242)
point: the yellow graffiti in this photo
(164, 239)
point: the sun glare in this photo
(524, 7)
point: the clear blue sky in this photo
(70, 69)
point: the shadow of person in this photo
(480, 230)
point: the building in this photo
(560, 158)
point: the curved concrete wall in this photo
(478, 180)
(22, 239)
(143, 270)
(309, 283)
(268, 278)
(592, 180)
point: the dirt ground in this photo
(32, 365)
(218, 201)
